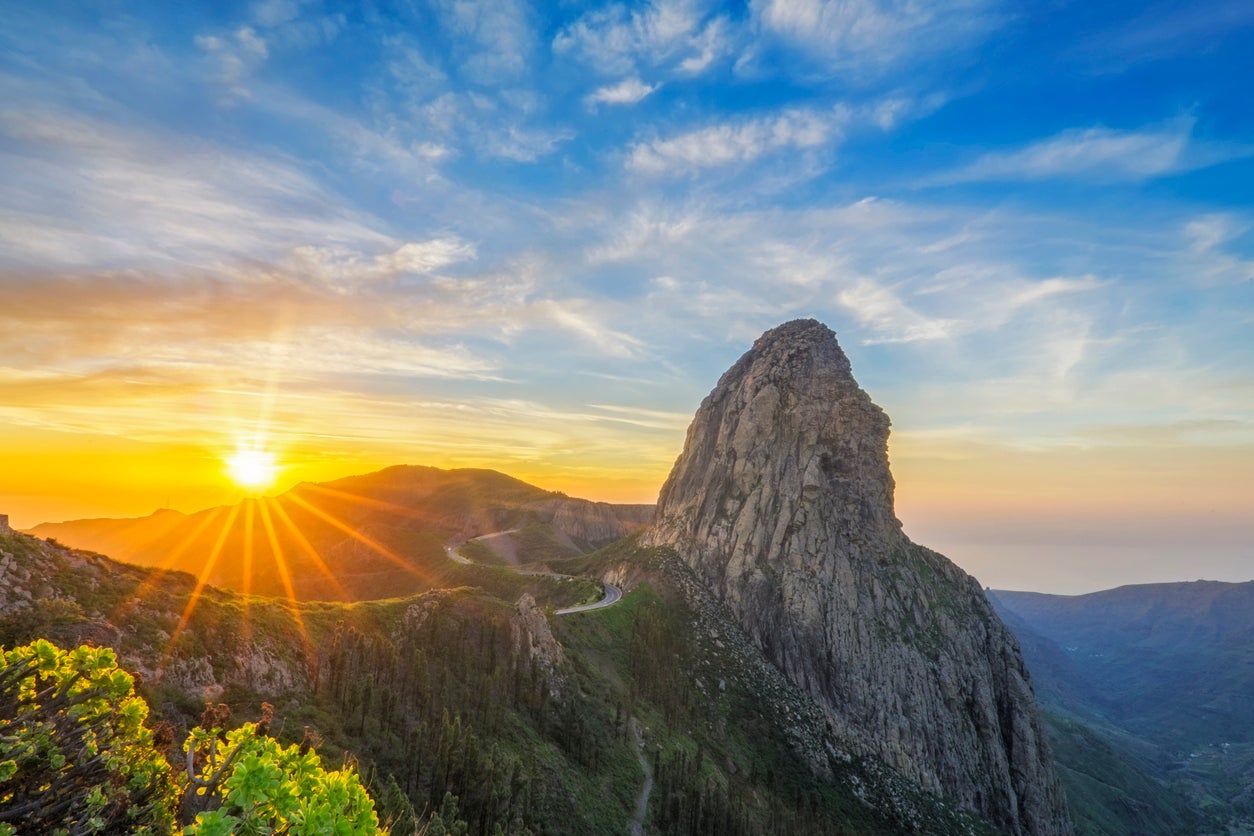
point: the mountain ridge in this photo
(368, 535)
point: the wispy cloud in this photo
(237, 56)
(87, 193)
(346, 270)
(495, 38)
(679, 35)
(866, 37)
(738, 142)
(1100, 154)
(890, 319)
(627, 91)
(1164, 30)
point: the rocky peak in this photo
(782, 501)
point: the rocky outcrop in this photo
(531, 635)
(592, 524)
(782, 502)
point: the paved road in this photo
(451, 551)
(612, 596)
(612, 593)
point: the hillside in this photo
(783, 659)
(1158, 678)
(537, 723)
(362, 537)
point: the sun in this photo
(254, 470)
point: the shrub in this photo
(75, 756)
(244, 782)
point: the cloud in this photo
(237, 56)
(869, 36)
(496, 38)
(1212, 256)
(627, 91)
(271, 13)
(86, 193)
(347, 270)
(583, 319)
(1101, 154)
(1164, 31)
(737, 142)
(679, 35)
(891, 320)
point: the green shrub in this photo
(251, 784)
(75, 756)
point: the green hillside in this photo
(466, 691)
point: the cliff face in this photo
(782, 501)
(592, 523)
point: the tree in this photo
(75, 756)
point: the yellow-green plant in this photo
(75, 756)
(253, 786)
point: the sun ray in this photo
(155, 576)
(201, 580)
(400, 510)
(359, 537)
(280, 562)
(250, 510)
(311, 551)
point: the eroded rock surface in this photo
(782, 501)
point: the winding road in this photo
(612, 593)
(612, 596)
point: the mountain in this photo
(782, 660)
(782, 504)
(1162, 674)
(362, 537)
(651, 716)
(1175, 660)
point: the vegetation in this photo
(1144, 693)
(460, 717)
(244, 782)
(76, 758)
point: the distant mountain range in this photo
(1149, 692)
(377, 535)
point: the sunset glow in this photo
(249, 245)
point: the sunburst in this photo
(253, 469)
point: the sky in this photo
(480, 233)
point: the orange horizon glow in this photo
(953, 494)
(266, 509)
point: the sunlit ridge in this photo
(268, 509)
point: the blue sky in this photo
(490, 234)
